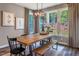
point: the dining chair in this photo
(15, 49)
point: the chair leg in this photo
(10, 54)
(56, 46)
(15, 54)
(40, 43)
(42, 55)
(24, 53)
(35, 45)
(19, 54)
(35, 54)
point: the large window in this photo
(60, 24)
(31, 24)
(64, 22)
(59, 21)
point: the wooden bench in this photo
(42, 50)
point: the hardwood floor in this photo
(61, 51)
(4, 51)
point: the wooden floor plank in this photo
(61, 51)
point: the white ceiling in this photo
(33, 6)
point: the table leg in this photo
(49, 39)
(30, 50)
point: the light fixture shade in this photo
(39, 13)
(35, 14)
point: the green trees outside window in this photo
(64, 17)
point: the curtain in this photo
(36, 22)
(73, 24)
(36, 18)
(26, 15)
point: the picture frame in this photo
(8, 19)
(19, 25)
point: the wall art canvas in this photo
(8, 19)
(19, 23)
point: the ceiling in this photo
(33, 6)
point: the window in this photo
(40, 23)
(64, 22)
(60, 24)
(53, 18)
(59, 20)
(31, 24)
(64, 16)
(53, 22)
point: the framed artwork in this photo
(8, 19)
(19, 23)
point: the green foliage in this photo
(64, 17)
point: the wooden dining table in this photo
(28, 40)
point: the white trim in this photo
(3, 46)
(30, 12)
(56, 10)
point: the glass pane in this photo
(53, 22)
(64, 17)
(64, 23)
(31, 24)
(40, 23)
(53, 18)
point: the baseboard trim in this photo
(68, 46)
(3, 46)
